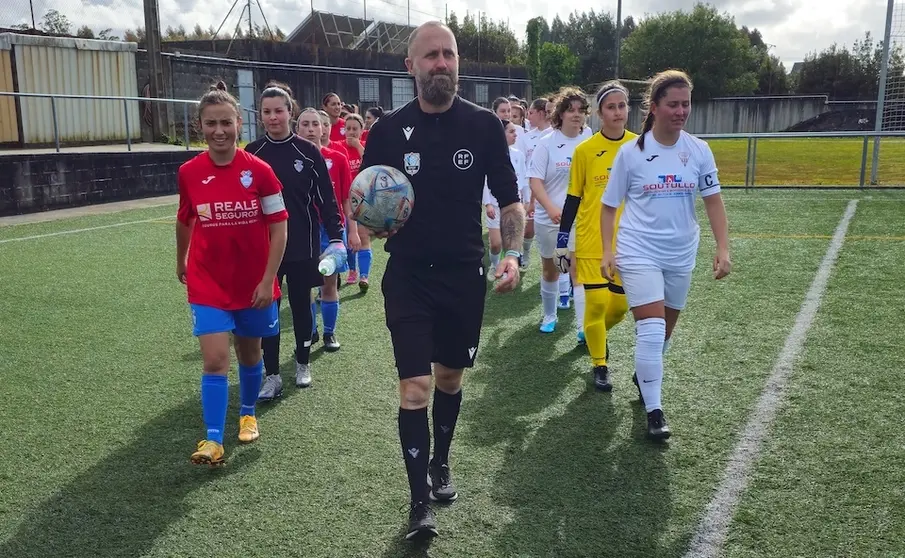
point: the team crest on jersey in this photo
(329, 163)
(463, 159)
(245, 178)
(683, 156)
(299, 166)
(412, 162)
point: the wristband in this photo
(562, 240)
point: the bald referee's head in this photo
(433, 59)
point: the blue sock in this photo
(352, 261)
(313, 317)
(330, 310)
(364, 264)
(214, 400)
(249, 386)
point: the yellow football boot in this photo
(248, 428)
(210, 453)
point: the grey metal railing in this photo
(125, 100)
(751, 156)
(252, 120)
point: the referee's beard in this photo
(438, 88)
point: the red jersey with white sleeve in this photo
(229, 209)
(340, 175)
(338, 130)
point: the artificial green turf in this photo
(830, 481)
(100, 379)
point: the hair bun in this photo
(219, 86)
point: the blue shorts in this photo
(325, 241)
(249, 322)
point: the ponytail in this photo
(656, 91)
(645, 128)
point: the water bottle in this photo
(334, 258)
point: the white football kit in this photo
(551, 162)
(658, 236)
(518, 163)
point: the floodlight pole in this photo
(881, 95)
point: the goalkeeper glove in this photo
(561, 255)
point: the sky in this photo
(792, 27)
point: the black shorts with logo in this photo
(434, 313)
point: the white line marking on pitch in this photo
(711, 533)
(87, 229)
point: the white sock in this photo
(564, 284)
(578, 291)
(526, 250)
(494, 260)
(548, 297)
(650, 334)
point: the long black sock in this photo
(445, 415)
(414, 434)
(300, 305)
(271, 349)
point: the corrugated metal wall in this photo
(9, 120)
(76, 67)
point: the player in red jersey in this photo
(333, 106)
(360, 261)
(314, 126)
(230, 237)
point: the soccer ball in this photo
(382, 198)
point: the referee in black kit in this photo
(434, 284)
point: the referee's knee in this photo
(414, 393)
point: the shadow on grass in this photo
(121, 505)
(574, 484)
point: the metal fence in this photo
(126, 101)
(751, 155)
(251, 126)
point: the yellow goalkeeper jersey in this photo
(590, 172)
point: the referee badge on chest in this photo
(412, 162)
(299, 166)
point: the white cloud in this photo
(794, 27)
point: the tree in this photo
(483, 40)
(174, 34)
(848, 74)
(557, 67)
(558, 31)
(84, 32)
(772, 78)
(56, 23)
(703, 43)
(534, 31)
(136, 36)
